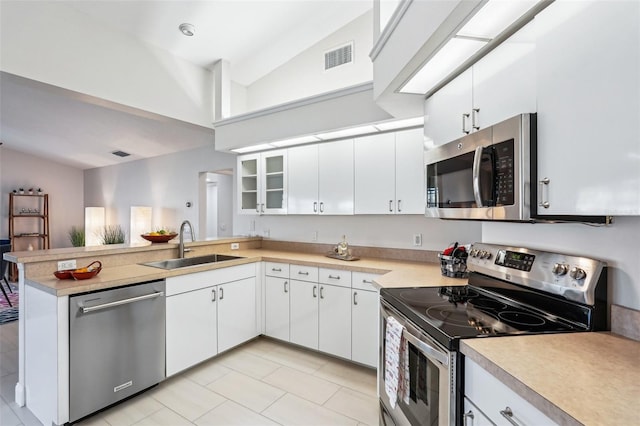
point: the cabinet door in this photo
(589, 107)
(375, 174)
(410, 183)
(303, 180)
(335, 320)
(237, 319)
(274, 183)
(304, 313)
(277, 308)
(191, 329)
(249, 184)
(335, 188)
(444, 111)
(364, 327)
(504, 80)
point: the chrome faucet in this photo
(181, 249)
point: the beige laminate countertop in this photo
(396, 273)
(574, 378)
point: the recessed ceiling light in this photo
(187, 29)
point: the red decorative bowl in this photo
(159, 238)
(89, 271)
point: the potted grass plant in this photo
(76, 235)
(112, 234)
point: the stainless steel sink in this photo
(190, 261)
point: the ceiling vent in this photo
(121, 154)
(340, 56)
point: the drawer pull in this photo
(367, 281)
(276, 269)
(466, 416)
(508, 414)
(302, 273)
(334, 277)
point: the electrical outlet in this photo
(314, 236)
(235, 246)
(417, 240)
(66, 264)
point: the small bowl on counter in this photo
(89, 271)
(160, 238)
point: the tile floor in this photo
(263, 382)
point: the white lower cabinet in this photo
(276, 302)
(497, 401)
(334, 336)
(237, 319)
(304, 313)
(208, 313)
(365, 307)
(191, 329)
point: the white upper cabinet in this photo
(262, 180)
(588, 84)
(321, 178)
(389, 177)
(499, 86)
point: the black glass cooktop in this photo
(452, 313)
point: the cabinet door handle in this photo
(262, 208)
(213, 294)
(285, 287)
(258, 208)
(321, 207)
(315, 291)
(221, 293)
(334, 277)
(321, 295)
(303, 273)
(399, 206)
(315, 207)
(466, 416)
(508, 414)
(355, 301)
(544, 183)
(464, 123)
(276, 269)
(390, 205)
(474, 118)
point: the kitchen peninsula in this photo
(49, 399)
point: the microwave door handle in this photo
(477, 160)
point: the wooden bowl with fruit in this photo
(89, 271)
(161, 236)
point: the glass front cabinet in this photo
(262, 183)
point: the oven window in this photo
(424, 385)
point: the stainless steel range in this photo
(511, 291)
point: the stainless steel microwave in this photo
(485, 175)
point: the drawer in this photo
(303, 273)
(364, 281)
(198, 280)
(338, 277)
(273, 269)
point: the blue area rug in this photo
(9, 315)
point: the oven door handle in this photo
(426, 348)
(477, 160)
(410, 332)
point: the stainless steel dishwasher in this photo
(116, 345)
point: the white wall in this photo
(164, 183)
(617, 244)
(54, 43)
(304, 75)
(64, 185)
(363, 230)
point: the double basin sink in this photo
(191, 261)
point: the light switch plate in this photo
(235, 246)
(417, 240)
(66, 264)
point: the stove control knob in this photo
(485, 254)
(560, 269)
(577, 273)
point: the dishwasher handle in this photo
(121, 302)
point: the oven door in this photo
(432, 372)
